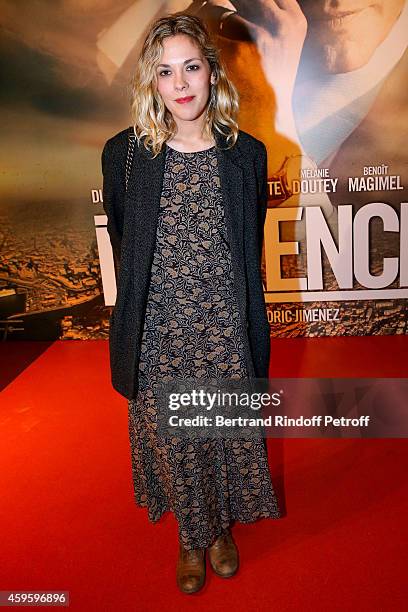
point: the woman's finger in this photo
(291, 6)
(257, 10)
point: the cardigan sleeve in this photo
(113, 193)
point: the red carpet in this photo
(69, 522)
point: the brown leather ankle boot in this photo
(190, 569)
(223, 555)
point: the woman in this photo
(186, 236)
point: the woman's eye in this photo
(166, 72)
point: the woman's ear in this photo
(212, 79)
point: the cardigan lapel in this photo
(232, 188)
(143, 196)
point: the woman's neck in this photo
(190, 144)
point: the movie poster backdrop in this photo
(322, 84)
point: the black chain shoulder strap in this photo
(130, 152)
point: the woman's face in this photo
(183, 72)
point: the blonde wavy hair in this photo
(151, 119)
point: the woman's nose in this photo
(180, 82)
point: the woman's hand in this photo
(279, 29)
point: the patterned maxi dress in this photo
(192, 329)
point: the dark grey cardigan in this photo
(132, 221)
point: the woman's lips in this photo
(337, 19)
(184, 100)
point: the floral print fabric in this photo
(192, 329)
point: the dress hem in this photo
(234, 517)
